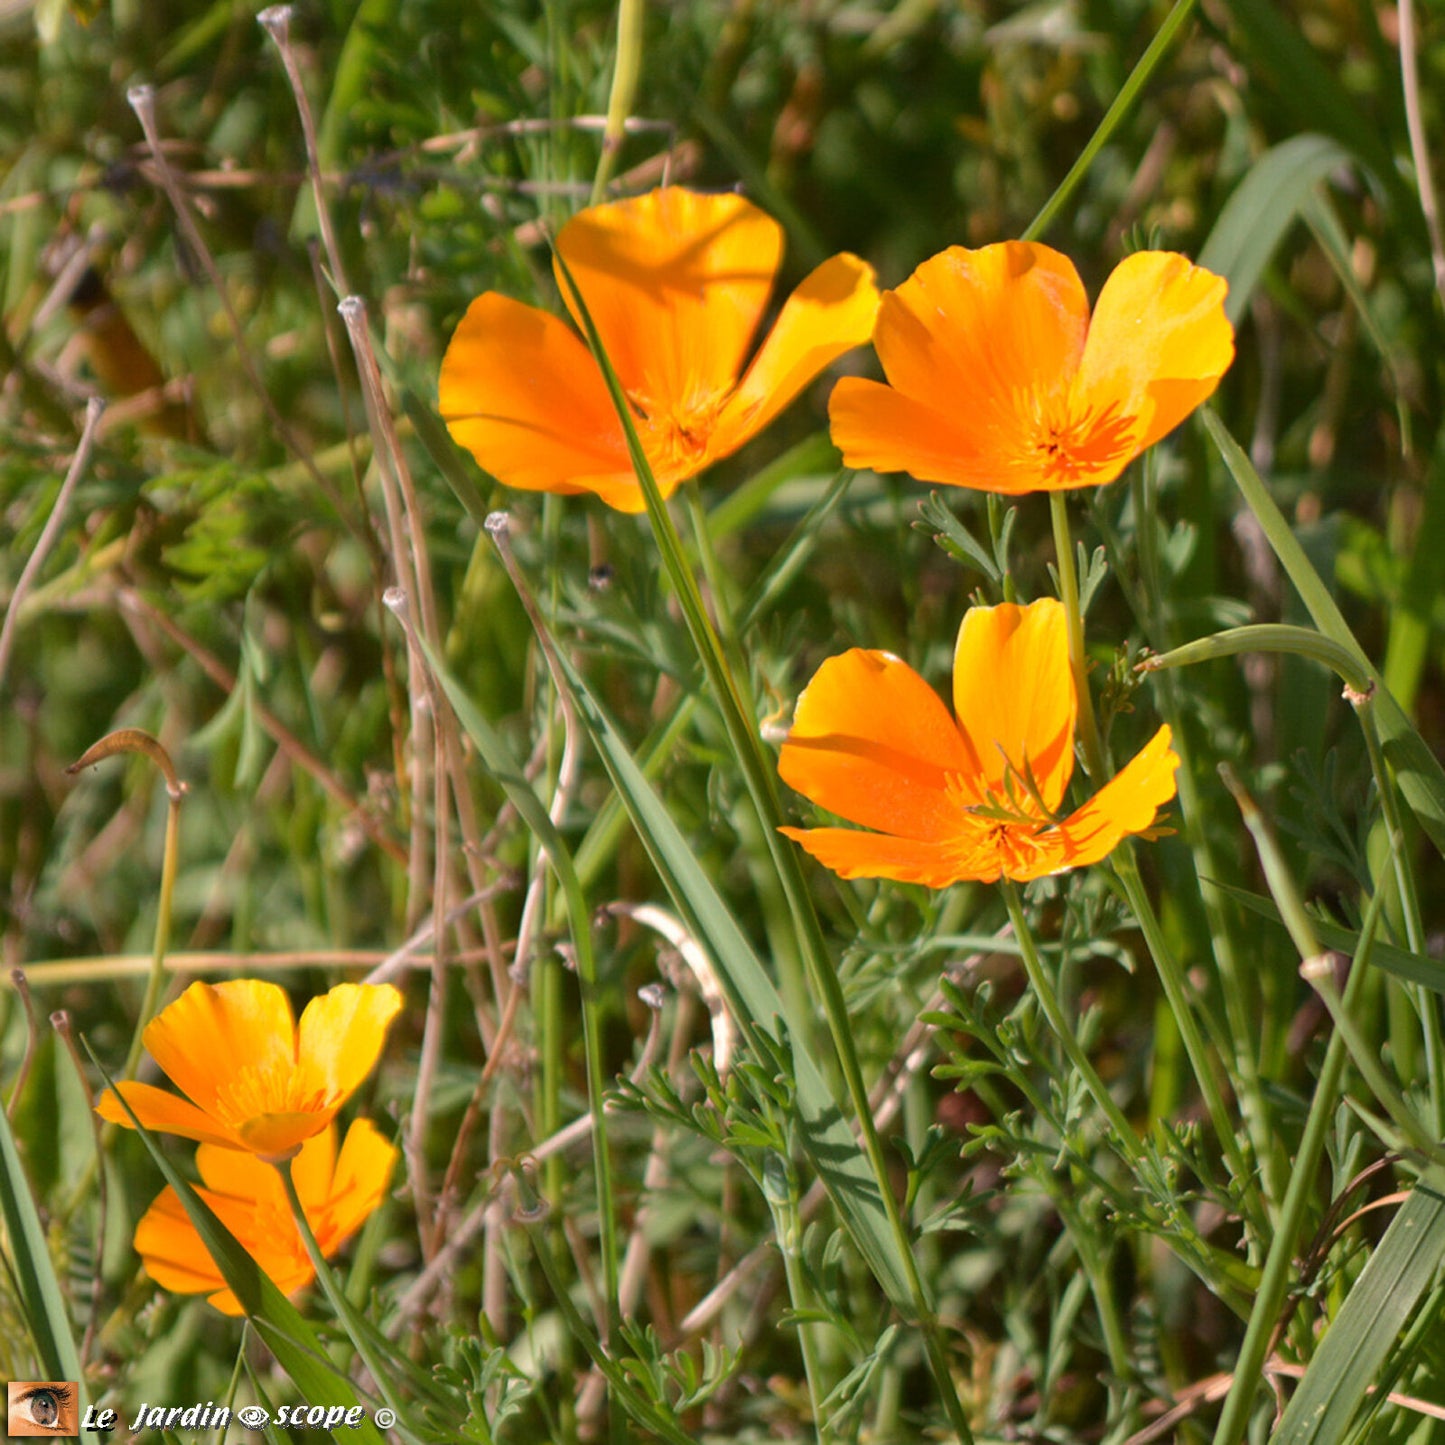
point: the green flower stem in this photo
(1123, 102)
(1043, 988)
(1265, 637)
(780, 1190)
(1171, 976)
(625, 73)
(155, 981)
(1289, 1226)
(759, 774)
(1074, 616)
(357, 1328)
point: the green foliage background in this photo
(221, 590)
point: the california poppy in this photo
(252, 1079)
(999, 379)
(337, 1191)
(975, 798)
(676, 284)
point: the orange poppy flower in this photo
(252, 1079)
(676, 283)
(973, 799)
(338, 1193)
(1000, 380)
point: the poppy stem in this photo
(1068, 578)
(1043, 988)
(360, 1332)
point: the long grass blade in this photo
(1357, 1344)
(41, 1297)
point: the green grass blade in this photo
(34, 1272)
(1263, 206)
(754, 1000)
(1369, 1322)
(1418, 772)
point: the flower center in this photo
(1071, 446)
(274, 1086)
(675, 436)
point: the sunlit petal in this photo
(676, 283)
(831, 312)
(1014, 694)
(521, 392)
(338, 1193)
(358, 1185)
(213, 1031)
(1127, 803)
(873, 743)
(852, 853)
(256, 1083)
(342, 1033)
(998, 379)
(883, 430)
(1158, 344)
(165, 1113)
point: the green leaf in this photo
(1356, 1345)
(1264, 205)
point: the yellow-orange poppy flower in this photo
(337, 1191)
(252, 1079)
(975, 798)
(1000, 380)
(676, 283)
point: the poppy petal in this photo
(850, 853)
(972, 331)
(991, 339)
(342, 1033)
(215, 1034)
(676, 283)
(313, 1168)
(1158, 344)
(521, 392)
(164, 1113)
(239, 1175)
(171, 1250)
(362, 1174)
(873, 743)
(1127, 803)
(882, 430)
(278, 1136)
(1014, 694)
(831, 312)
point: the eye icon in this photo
(42, 1407)
(253, 1417)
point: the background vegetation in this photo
(216, 579)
